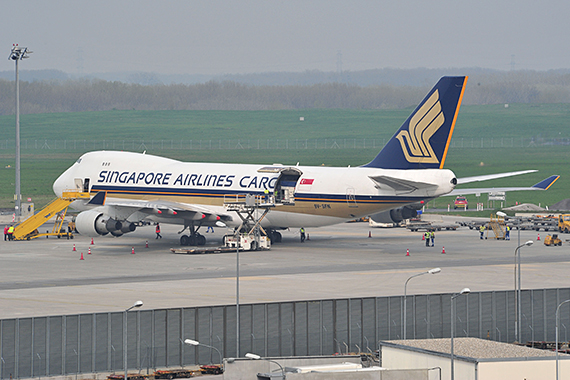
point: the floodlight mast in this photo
(17, 54)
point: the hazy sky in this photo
(246, 36)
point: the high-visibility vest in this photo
(11, 230)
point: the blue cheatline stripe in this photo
(210, 193)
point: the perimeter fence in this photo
(282, 144)
(90, 343)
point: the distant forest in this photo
(371, 89)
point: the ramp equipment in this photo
(28, 229)
(249, 235)
(497, 224)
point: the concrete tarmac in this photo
(46, 277)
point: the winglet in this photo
(546, 183)
(98, 199)
(423, 140)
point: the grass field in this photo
(40, 167)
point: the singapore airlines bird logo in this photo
(423, 124)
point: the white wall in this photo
(394, 358)
(529, 370)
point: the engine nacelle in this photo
(94, 223)
(398, 214)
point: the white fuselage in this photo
(323, 195)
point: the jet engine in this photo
(398, 214)
(94, 223)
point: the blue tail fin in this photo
(422, 141)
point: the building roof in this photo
(473, 348)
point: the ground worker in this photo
(5, 232)
(266, 193)
(158, 235)
(11, 232)
(210, 228)
(426, 237)
(482, 231)
(508, 233)
(432, 237)
(302, 231)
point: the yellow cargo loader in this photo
(28, 229)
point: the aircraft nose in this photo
(59, 185)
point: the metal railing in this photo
(87, 343)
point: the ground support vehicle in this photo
(564, 223)
(460, 202)
(552, 240)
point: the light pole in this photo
(257, 357)
(17, 54)
(453, 297)
(192, 342)
(136, 304)
(518, 316)
(557, 323)
(431, 271)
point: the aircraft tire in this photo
(200, 239)
(192, 240)
(184, 240)
(276, 237)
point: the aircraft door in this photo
(86, 185)
(351, 197)
(78, 183)
(285, 186)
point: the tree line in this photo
(77, 95)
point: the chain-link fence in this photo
(283, 144)
(87, 343)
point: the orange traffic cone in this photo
(74, 248)
(133, 251)
(369, 234)
(81, 256)
(538, 238)
(443, 250)
(423, 237)
(92, 241)
(146, 244)
(407, 252)
(89, 252)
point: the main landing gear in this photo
(194, 238)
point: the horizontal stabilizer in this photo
(542, 185)
(492, 176)
(400, 185)
(98, 199)
(546, 183)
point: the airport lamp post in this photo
(557, 323)
(17, 54)
(257, 357)
(453, 297)
(431, 271)
(192, 342)
(518, 315)
(136, 304)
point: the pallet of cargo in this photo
(211, 369)
(130, 376)
(203, 250)
(174, 374)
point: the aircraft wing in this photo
(542, 185)
(164, 209)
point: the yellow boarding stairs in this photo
(28, 229)
(497, 224)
